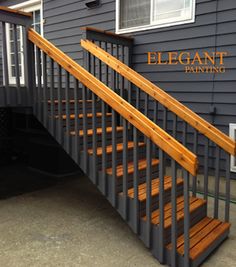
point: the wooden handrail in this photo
(127, 37)
(158, 136)
(15, 11)
(204, 127)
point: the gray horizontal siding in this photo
(215, 27)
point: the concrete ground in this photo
(69, 223)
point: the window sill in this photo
(156, 26)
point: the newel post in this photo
(29, 58)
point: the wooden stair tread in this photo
(72, 101)
(99, 131)
(142, 165)
(155, 188)
(80, 116)
(119, 148)
(194, 204)
(202, 236)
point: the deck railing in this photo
(16, 58)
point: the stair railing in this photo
(212, 146)
(15, 91)
(80, 138)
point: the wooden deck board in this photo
(142, 164)
(99, 131)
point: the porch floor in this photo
(69, 223)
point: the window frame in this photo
(152, 25)
(232, 134)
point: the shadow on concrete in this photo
(17, 179)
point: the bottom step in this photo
(204, 237)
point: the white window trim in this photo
(232, 134)
(27, 6)
(151, 25)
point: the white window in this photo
(232, 133)
(136, 15)
(34, 6)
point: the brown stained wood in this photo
(99, 131)
(142, 165)
(200, 235)
(165, 99)
(192, 208)
(195, 204)
(72, 101)
(167, 207)
(158, 136)
(80, 116)
(179, 215)
(119, 148)
(107, 33)
(15, 11)
(208, 240)
(155, 188)
(193, 231)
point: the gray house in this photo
(117, 83)
(209, 27)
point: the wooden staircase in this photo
(205, 233)
(125, 150)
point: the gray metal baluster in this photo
(67, 100)
(217, 182)
(114, 155)
(136, 180)
(59, 107)
(174, 227)
(184, 138)
(117, 74)
(186, 219)
(104, 151)
(45, 89)
(18, 89)
(206, 166)
(52, 100)
(39, 75)
(94, 126)
(227, 188)
(113, 73)
(149, 191)
(155, 116)
(164, 118)
(137, 98)
(106, 68)
(76, 101)
(160, 233)
(129, 63)
(146, 104)
(5, 65)
(29, 64)
(125, 169)
(195, 148)
(174, 126)
(85, 129)
(122, 77)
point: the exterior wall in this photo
(215, 27)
